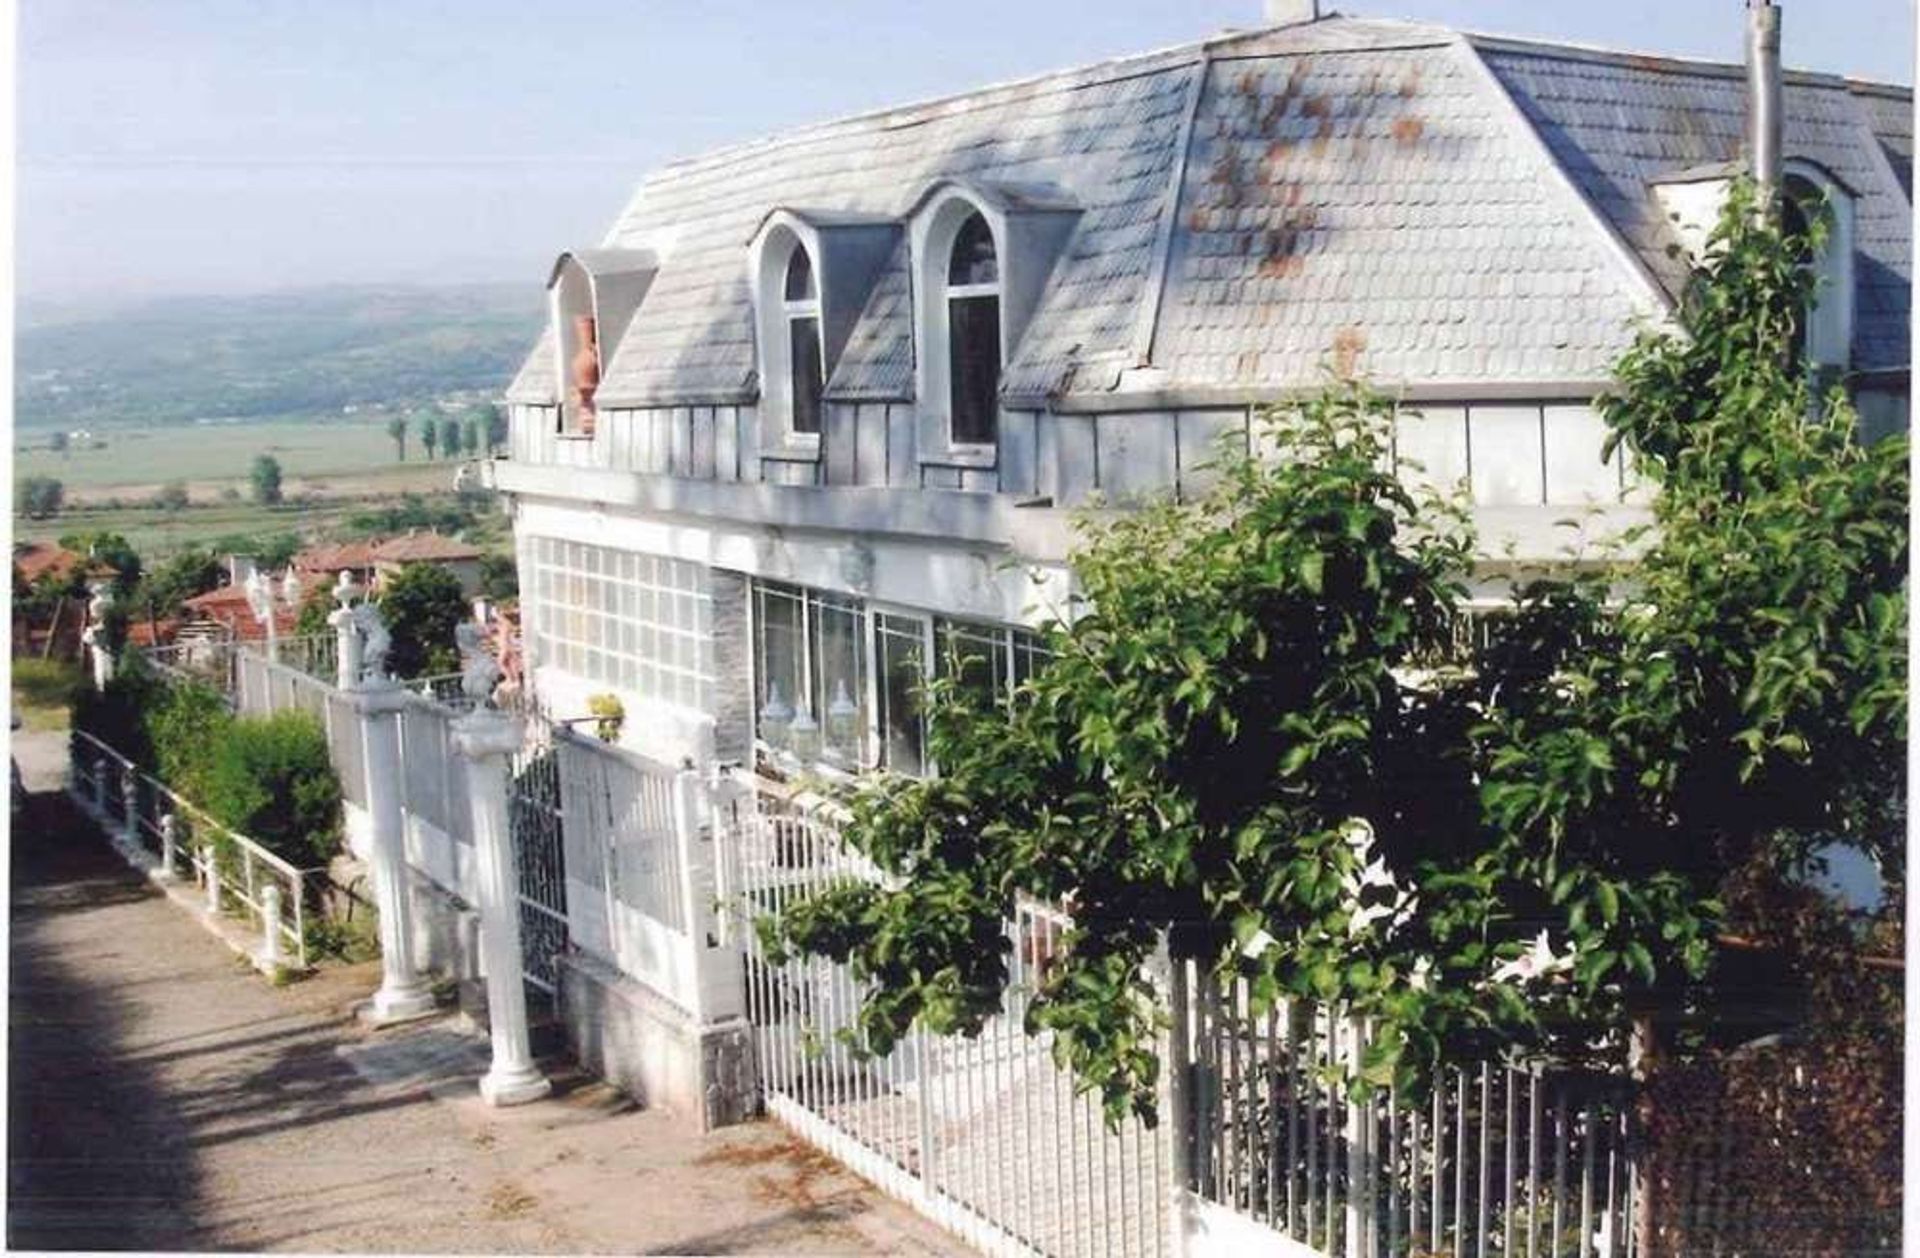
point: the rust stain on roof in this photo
(1407, 130)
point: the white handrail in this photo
(247, 890)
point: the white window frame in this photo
(872, 748)
(1828, 339)
(768, 258)
(583, 615)
(932, 234)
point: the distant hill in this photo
(175, 360)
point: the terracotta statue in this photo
(586, 372)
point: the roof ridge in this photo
(1580, 50)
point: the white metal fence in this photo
(991, 1138)
(235, 870)
(987, 1135)
(1515, 1160)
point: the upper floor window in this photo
(1818, 212)
(973, 334)
(800, 308)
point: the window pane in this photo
(974, 261)
(799, 286)
(898, 645)
(807, 386)
(980, 652)
(973, 350)
(839, 684)
(1030, 654)
(777, 656)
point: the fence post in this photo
(403, 993)
(1356, 1118)
(169, 844)
(270, 953)
(1179, 1102)
(130, 801)
(100, 785)
(212, 867)
(717, 994)
(486, 738)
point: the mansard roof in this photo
(1420, 204)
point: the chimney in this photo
(239, 569)
(1292, 12)
(1763, 98)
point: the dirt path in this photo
(163, 1097)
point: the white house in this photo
(819, 403)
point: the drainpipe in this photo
(1763, 100)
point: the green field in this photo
(210, 452)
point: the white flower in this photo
(1365, 916)
(1420, 979)
(1260, 942)
(1538, 961)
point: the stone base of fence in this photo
(653, 1050)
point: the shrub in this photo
(117, 716)
(185, 724)
(270, 778)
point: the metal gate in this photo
(987, 1136)
(536, 823)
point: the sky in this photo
(231, 146)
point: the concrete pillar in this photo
(347, 659)
(403, 992)
(270, 953)
(718, 992)
(169, 845)
(486, 738)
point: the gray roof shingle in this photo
(1616, 123)
(1398, 198)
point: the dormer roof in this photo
(1426, 205)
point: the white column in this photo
(169, 845)
(486, 738)
(270, 953)
(130, 807)
(347, 661)
(718, 994)
(403, 992)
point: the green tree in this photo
(397, 429)
(475, 439)
(58, 442)
(496, 420)
(41, 497)
(429, 435)
(422, 603)
(182, 576)
(172, 496)
(499, 578)
(114, 552)
(1262, 741)
(451, 435)
(266, 480)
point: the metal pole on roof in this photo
(1763, 99)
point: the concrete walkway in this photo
(163, 1096)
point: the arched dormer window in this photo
(1817, 210)
(973, 334)
(800, 311)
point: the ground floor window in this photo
(838, 681)
(632, 622)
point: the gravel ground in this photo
(165, 1097)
